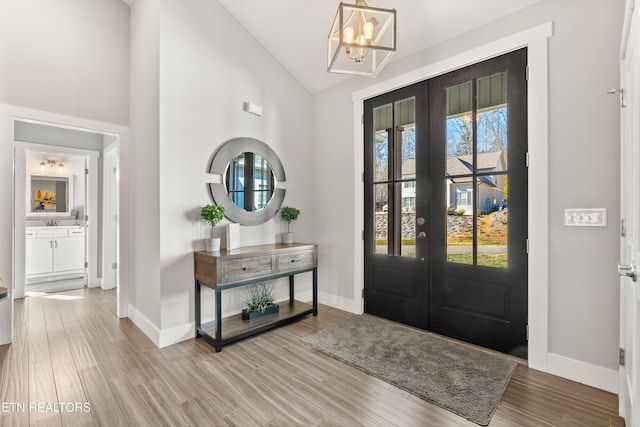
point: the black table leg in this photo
(218, 339)
(197, 307)
(315, 291)
(291, 293)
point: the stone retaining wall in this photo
(455, 225)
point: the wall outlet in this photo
(585, 217)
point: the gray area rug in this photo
(461, 379)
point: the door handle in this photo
(628, 271)
(422, 235)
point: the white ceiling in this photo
(295, 31)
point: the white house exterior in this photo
(490, 188)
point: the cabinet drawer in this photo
(296, 261)
(76, 232)
(30, 234)
(246, 268)
(52, 232)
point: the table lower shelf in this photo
(235, 328)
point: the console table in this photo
(234, 268)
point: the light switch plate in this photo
(585, 217)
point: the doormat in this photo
(461, 379)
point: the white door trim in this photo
(535, 39)
(10, 113)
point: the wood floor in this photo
(74, 363)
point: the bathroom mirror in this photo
(49, 195)
(251, 176)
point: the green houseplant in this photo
(289, 214)
(259, 301)
(212, 215)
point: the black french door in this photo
(446, 204)
(396, 205)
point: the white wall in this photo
(207, 65)
(583, 63)
(145, 189)
(66, 56)
(62, 62)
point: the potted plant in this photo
(259, 302)
(289, 214)
(212, 215)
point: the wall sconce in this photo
(362, 39)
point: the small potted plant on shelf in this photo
(212, 215)
(259, 302)
(289, 214)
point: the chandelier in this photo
(362, 39)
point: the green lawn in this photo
(488, 260)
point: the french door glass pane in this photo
(476, 172)
(381, 219)
(493, 224)
(459, 224)
(383, 125)
(493, 183)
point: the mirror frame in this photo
(68, 196)
(218, 191)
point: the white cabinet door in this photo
(68, 253)
(38, 256)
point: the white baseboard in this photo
(338, 302)
(176, 334)
(585, 373)
(145, 325)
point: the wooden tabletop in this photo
(4, 292)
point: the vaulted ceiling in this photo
(295, 31)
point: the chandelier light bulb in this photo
(348, 35)
(368, 31)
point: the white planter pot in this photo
(212, 245)
(287, 237)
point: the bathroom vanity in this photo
(54, 250)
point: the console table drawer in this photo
(296, 261)
(247, 268)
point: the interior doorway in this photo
(45, 260)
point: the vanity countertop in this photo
(47, 227)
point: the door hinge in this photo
(86, 217)
(527, 245)
(86, 171)
(86, 264)
(526, 73)
(114, 265)
(362, 292)
(526, 159)
(623, 227)
(621, 360)
(527, 332)
(362, 119)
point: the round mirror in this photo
(249, 181)
(250, 175)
